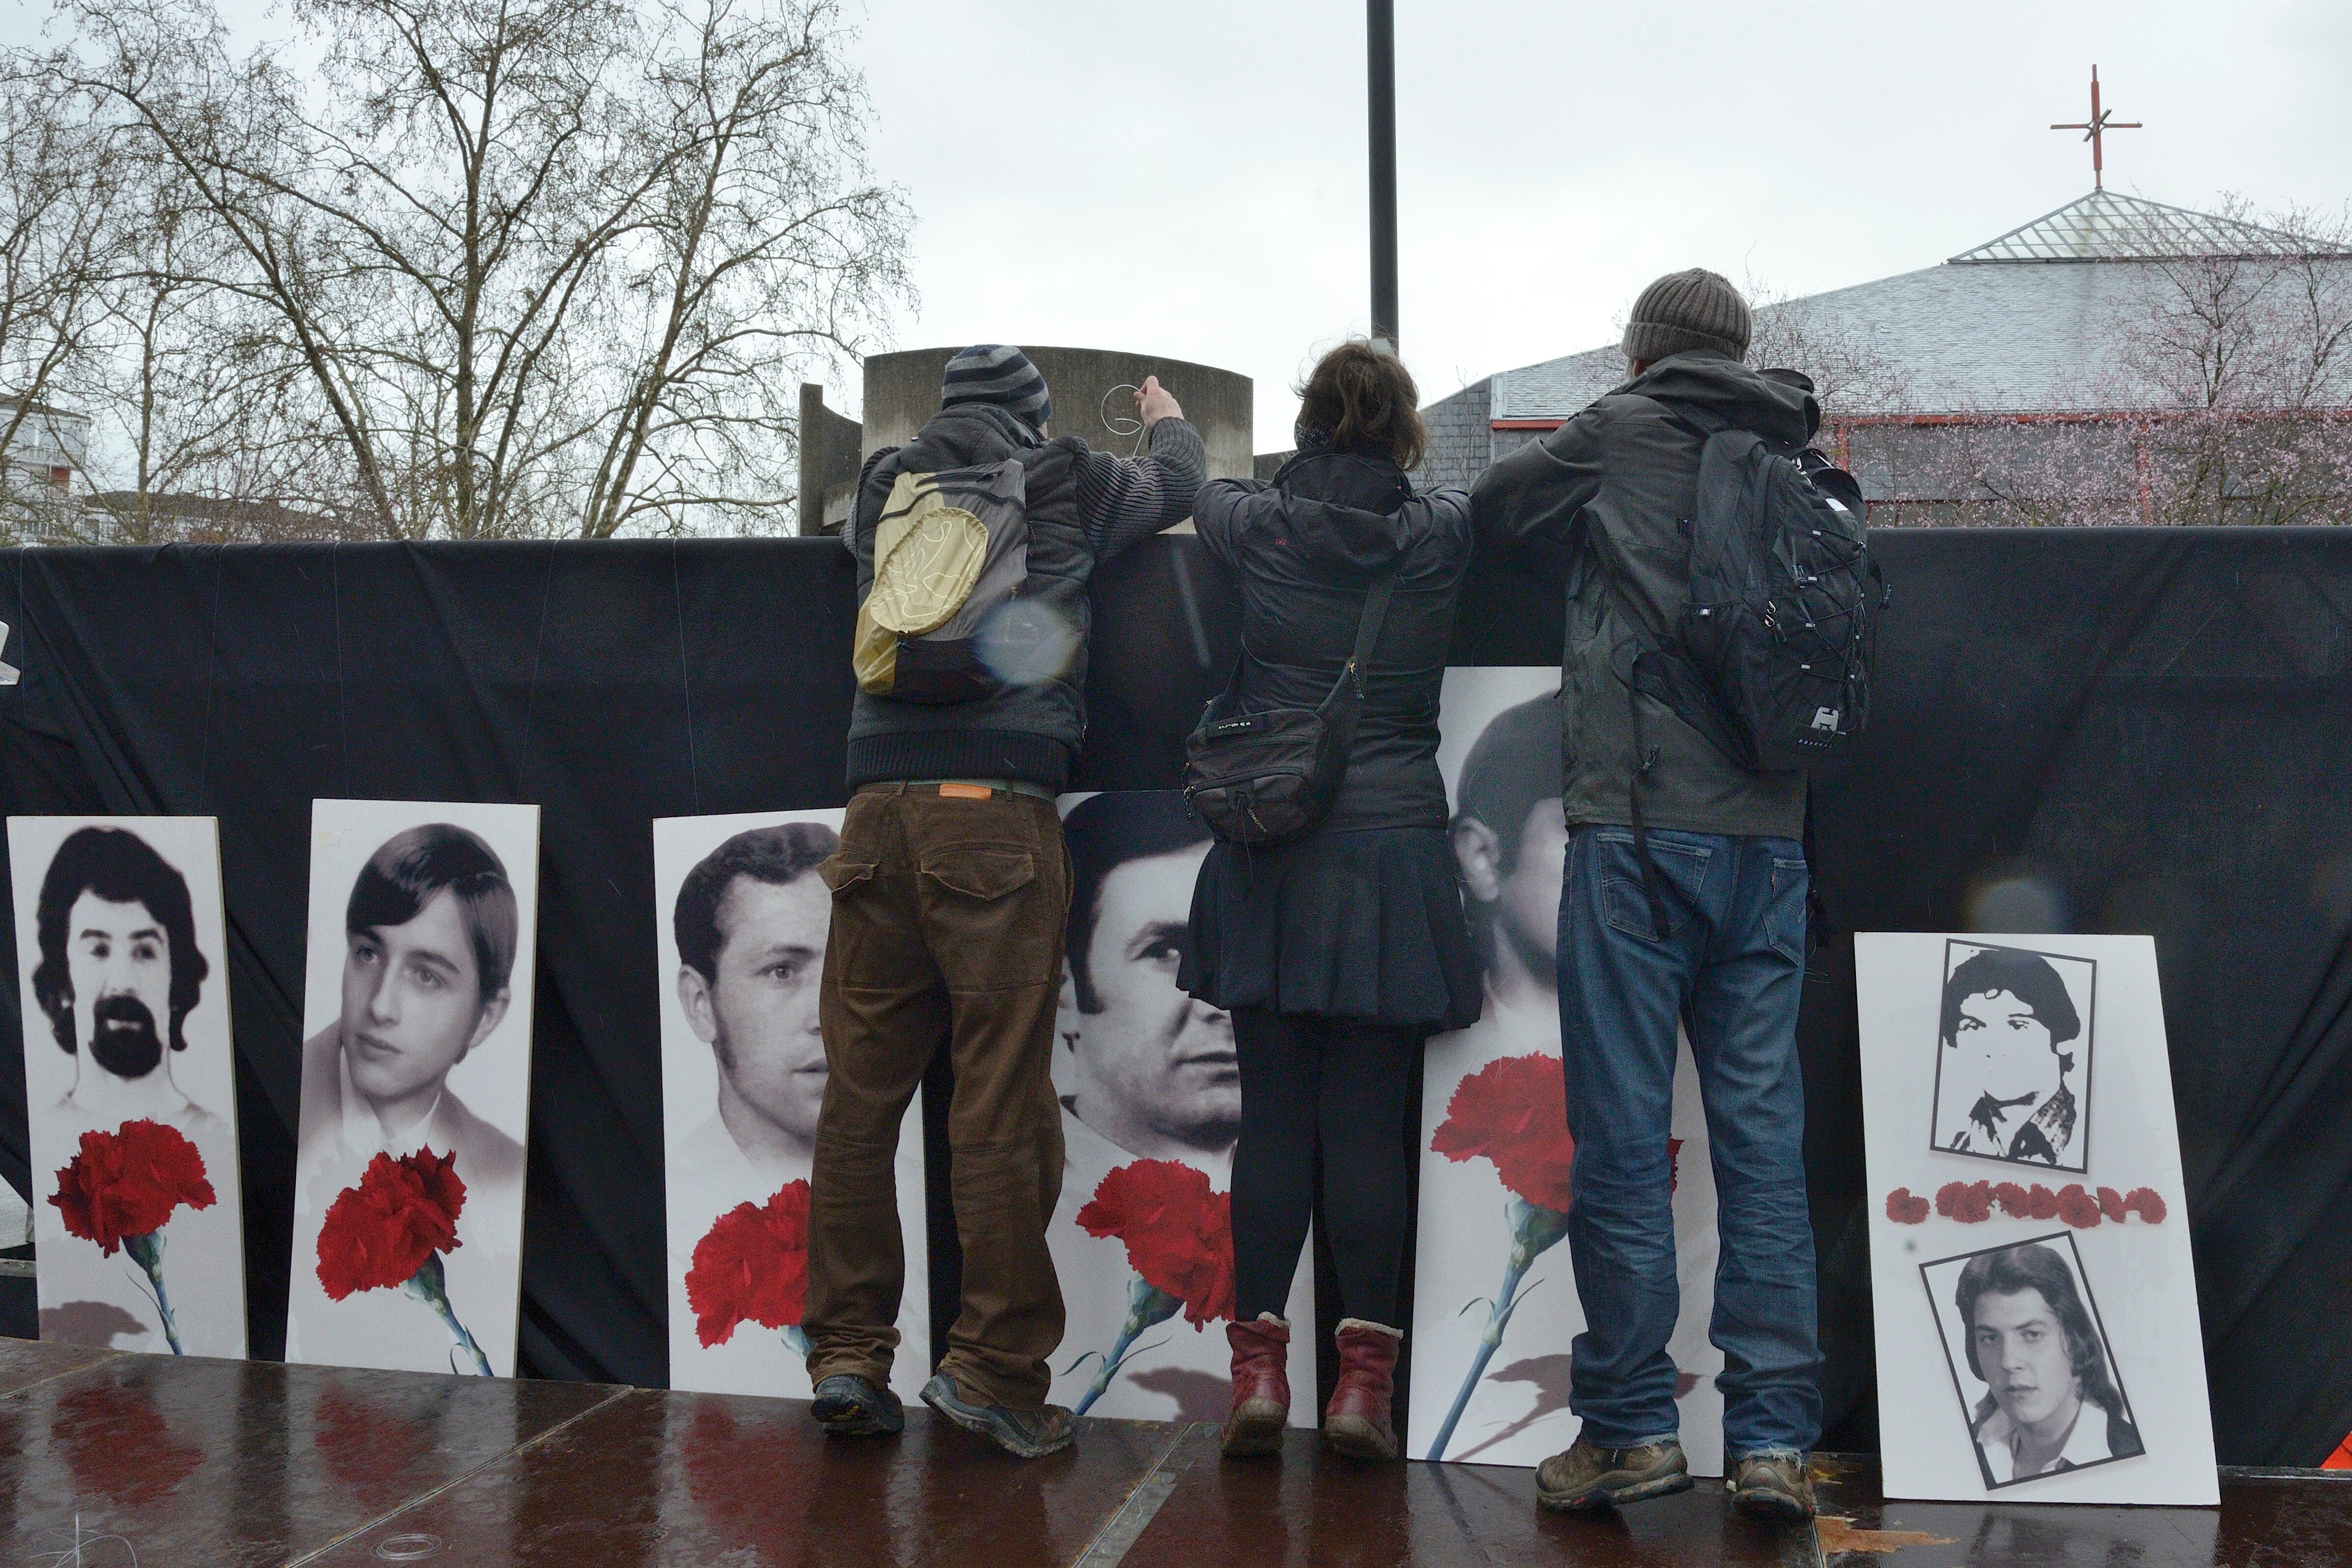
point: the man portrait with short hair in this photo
(1508, 841)
(118, 974)
(1143, 1072)
(750, 923)
(432, 932)
(1143, 1067)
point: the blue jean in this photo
(1731, 969)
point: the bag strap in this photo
(1368, 631)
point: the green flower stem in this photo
(1147, 1304)
(147, 1251)
(1533, 1230)
(430, 1285)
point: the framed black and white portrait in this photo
(738, 956)
(2013, 1056)
(2037, 1381)
(130, 1082)
(416, 1085)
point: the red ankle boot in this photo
(1356, 1422)
(1261, 1386)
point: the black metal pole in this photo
(1381, 56)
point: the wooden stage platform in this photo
(110, 1460)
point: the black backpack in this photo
(1772, 661)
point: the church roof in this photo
(2106, 226)
(1967, 337)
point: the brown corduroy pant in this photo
(948, 918)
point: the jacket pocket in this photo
(983, 874)
(841, 873)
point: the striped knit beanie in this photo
(993, 372)
(1686, 310)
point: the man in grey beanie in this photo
(1602, 504)
(950, 892)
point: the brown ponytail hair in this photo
(1360, 399)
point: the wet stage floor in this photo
(110, 1459)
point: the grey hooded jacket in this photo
(1623, 474)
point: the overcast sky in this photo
(1189, 179)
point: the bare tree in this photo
(1851, 371)
(542, 266)
(59, 200)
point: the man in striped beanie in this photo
(951, 896)
(998, 373)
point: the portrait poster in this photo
(1491, 1338)
(740, 949)
(1150, 1094)
(2035, 1298)
(130, 1082)
(416, 1027)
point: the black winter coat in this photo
(1303, 550)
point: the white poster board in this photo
(1490, 1373)
(130, 1082)
(1150, 1092)
(416, 1048)
(742, 919)
(2036, 1302)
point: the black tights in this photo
(1346, 1083)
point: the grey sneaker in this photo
(848, 1406)
(1026, 1434)
(1587, 1477)
(1773, 1486)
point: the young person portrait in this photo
(2031, 1343)
(2013, 1066)
(434, 949)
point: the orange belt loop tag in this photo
(966, 792)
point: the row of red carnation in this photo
(1971, 1203)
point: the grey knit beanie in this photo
(1686, 311)
(993, 372)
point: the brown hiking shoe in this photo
(1587, 1477)
(1025, 1434)
(1773, 1486)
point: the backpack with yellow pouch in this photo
(950, 550)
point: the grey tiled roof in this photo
(2106, 227)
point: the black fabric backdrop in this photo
(2151, 730)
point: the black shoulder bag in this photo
(1264, 779)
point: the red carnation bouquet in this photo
(1179, 1242)
(390, 1232)
(122, 1187)
(1513, 1113)
(752, 1266)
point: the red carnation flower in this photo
(1905, 1207)
(378, 1234)
(1179, 1233)
(2012, 1199)
(2147, 1203)
(2111, 1203)
(126, 1182)
(2078, 1208)
(1970, 1202)
(2041, 1203)
(1513, 1111)
(752, 1266)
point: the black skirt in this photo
(1365, 924)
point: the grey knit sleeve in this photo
(1123, 500)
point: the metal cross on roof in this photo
(2096, 127)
